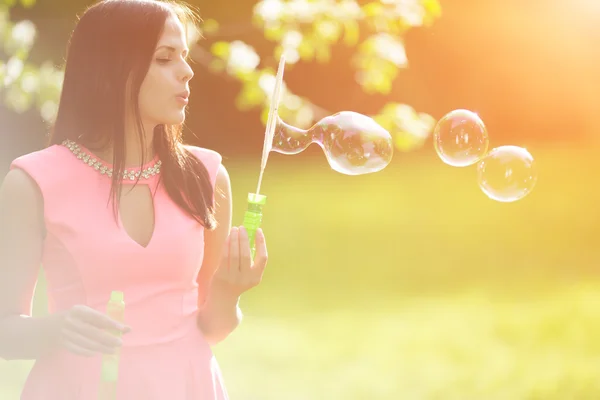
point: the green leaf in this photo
(28, 3)
(48, 111)
(373, 9)
(250, 96)
(322, 54)
(408, 128)
(351, 33)
(433, 7)
(217, 65)
(433, 11)
(264, 114)
(257, 21)
(274, 33)
(306, 50)
(22, 54)
(18, 100)
(406, 142)
(327, 30)
(373, 81)
(278, 52)
(210, 26)
(2, 72)
(220, 49)
(245, 75)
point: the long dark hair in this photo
(110, 50)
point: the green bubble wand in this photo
(256, 201)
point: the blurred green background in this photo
(409, 283)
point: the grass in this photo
(411, 284)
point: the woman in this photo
(117, 202)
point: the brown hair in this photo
(110, 50)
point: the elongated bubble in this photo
(353, 143)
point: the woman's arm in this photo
(21, 241)
(220, 313)
(228, 269)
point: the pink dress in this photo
(87, 255)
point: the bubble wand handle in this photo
(256, 201)
(253, 218)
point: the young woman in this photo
(117, 202)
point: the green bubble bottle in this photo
(253, 218)
(115, 309)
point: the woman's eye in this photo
(163, 60)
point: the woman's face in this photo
(165, 90)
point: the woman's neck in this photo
(133, 154)
(133, 151)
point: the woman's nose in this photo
(187, 73)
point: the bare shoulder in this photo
(213, 160)
(21, 207)
(19, 192)
(204, 154)
(223, 178)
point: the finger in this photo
(234, 250)
(223, 268)
(73, 348)
(92, 333)
(81, 342)
(98, 319)
(260, 260)
(245, 254)
(84, 345)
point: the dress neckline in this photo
(147, 171)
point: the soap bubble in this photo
(507, 173)
(353, 143)
(460, 138)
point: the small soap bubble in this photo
(507, 173)
(460, 138)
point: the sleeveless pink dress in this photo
(87, 255)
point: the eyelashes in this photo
(167, 60)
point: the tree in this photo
(23, 84)
(305, 30)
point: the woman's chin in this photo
(175, 119)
